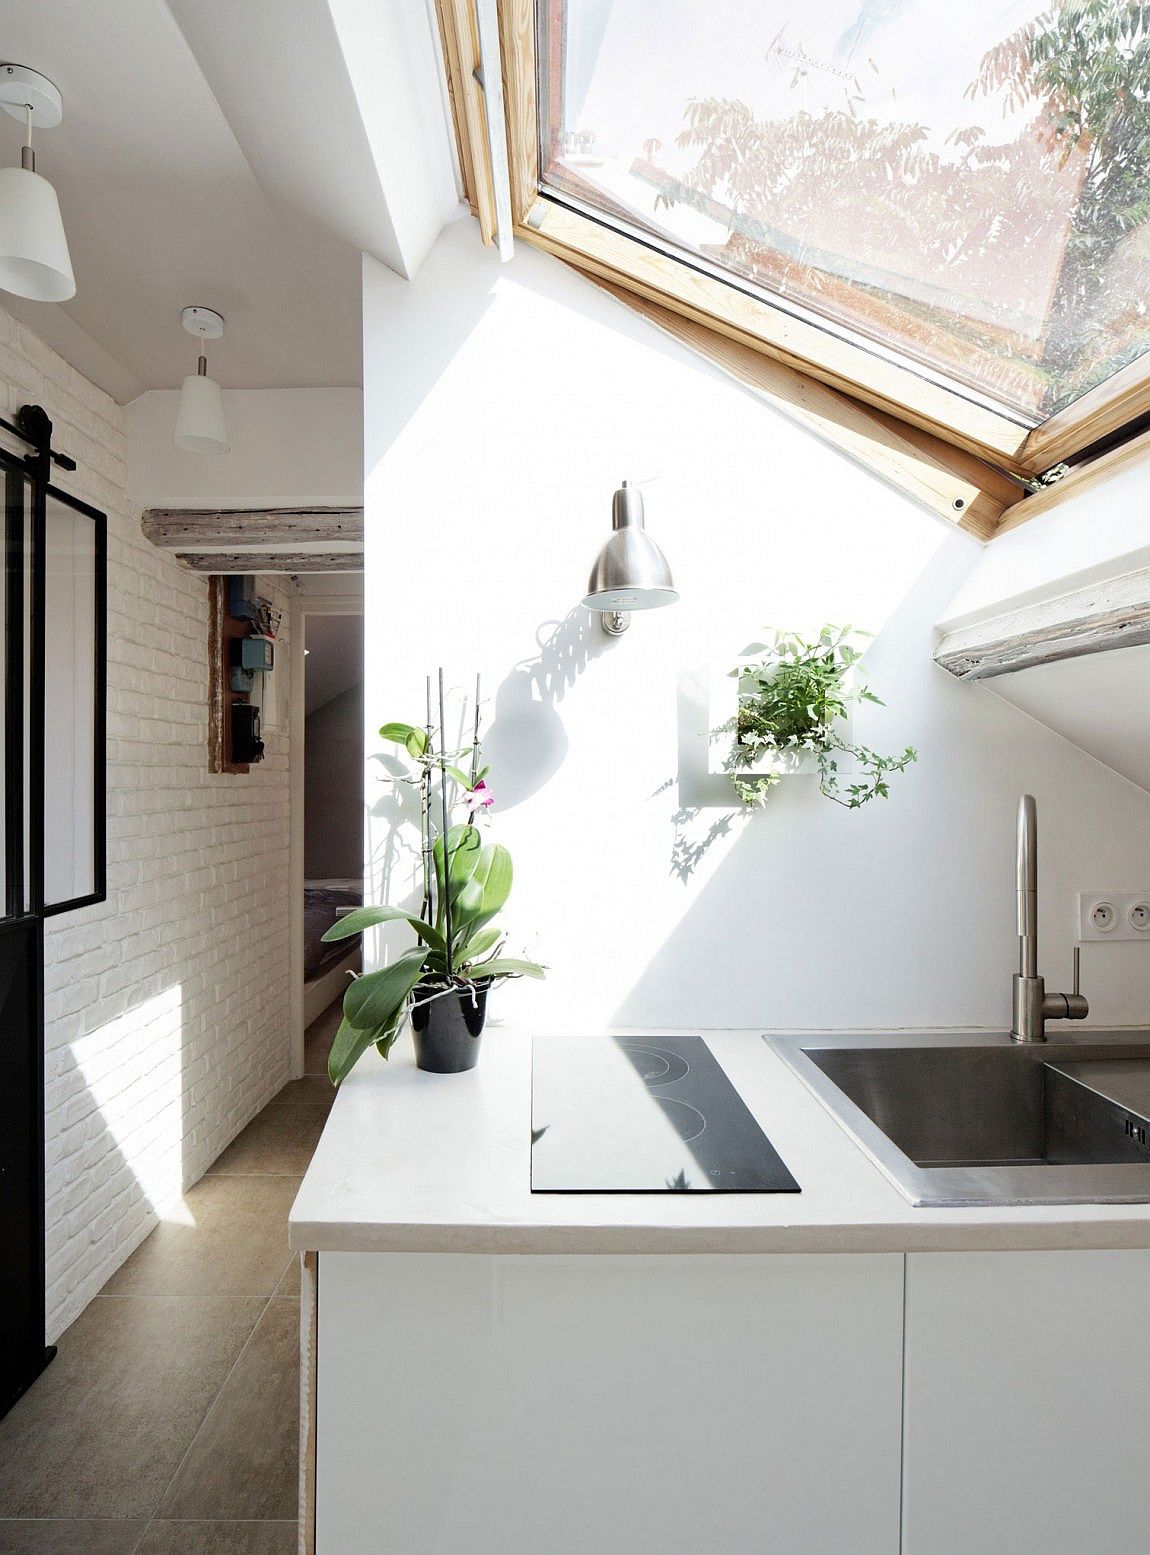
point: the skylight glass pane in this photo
(965, 184)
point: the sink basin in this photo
(968, 1119)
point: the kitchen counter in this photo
(414, 1162)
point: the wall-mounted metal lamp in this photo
(630, 572)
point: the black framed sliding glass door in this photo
(22, 1351)
(53, 653)
(71, 650)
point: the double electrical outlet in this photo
(1114, 915)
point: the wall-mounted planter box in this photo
(723, 705)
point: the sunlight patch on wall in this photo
(132, 1069)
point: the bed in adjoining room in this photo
(326, 967)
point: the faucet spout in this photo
(1033, 1006)
(1028, 886)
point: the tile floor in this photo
(167, 1424)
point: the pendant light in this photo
(200, 424)
(34, 259)
(630, 572)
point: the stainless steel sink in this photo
(974, 1118)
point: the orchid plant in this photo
(466, 882)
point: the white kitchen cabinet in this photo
(675, 1405)
(1026, 1426)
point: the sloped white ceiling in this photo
(215, 154)
(1099, 702)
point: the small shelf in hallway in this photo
(168, 1423)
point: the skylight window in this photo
(964, 186)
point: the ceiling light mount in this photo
(204, 322)
(24, 91)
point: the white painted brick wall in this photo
(166, 1008)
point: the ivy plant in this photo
(793, 697)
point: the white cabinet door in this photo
(1027, 1425)
(555, 1405)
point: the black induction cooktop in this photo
(643, 1115)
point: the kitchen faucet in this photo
(1033, 1006)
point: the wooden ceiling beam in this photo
(193, 529)
(1113, 613)
(232, 562)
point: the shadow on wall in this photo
(700, 790)
(526, 742)
(769, 954)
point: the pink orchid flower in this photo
(479, 798)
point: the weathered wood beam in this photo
(271, 561)
(1114, 613)
(191, 529)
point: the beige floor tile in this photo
(244, 1461)
(318, 1039)
(279, 1139)
(310, 1090)
(228, 1237)
(104, 1429)
(219, 1538)
(56, 1537)
(290, 1284)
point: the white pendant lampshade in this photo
(34, 258)
(201, 427)
(200, 424)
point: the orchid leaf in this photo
(347, 1049)
(385, 1040)
(401, 734)
(487, 889)
(374, 1000)
(464, 847)
(509, 966)
(478, 945)
(367, 918)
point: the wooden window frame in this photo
(978, 457)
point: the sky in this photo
(633, 66)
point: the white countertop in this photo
(414, 1162)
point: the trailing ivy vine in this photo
(790, 701)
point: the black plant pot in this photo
(449, 1028)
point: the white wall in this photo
(1087, 539)
(289, 448)
(391, 51)
(502, 407)
(166, 1020)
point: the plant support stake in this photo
(446, 827)
(425, 809)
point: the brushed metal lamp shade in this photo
(630, 572)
